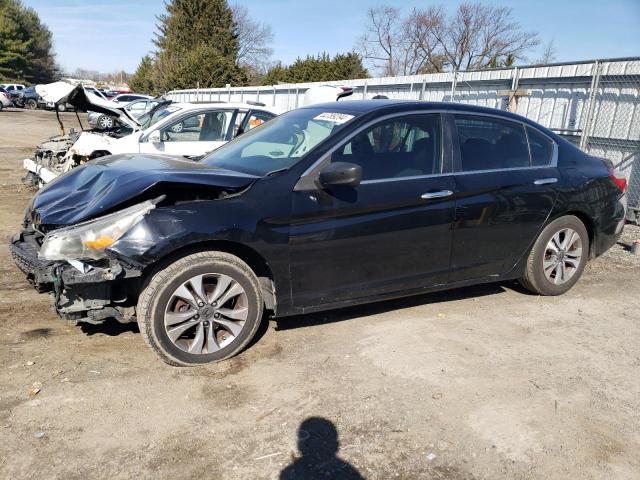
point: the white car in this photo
(185, 129)
(135, 109)
(5, 100)
(128, 97)
(10, 87)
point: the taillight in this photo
(619, 179)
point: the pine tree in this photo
(142, 79)
(25, 45)
(348, 66)
(197, 44)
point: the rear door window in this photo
(541, 148)
(488, 143)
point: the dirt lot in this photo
(485, 382)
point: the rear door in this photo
(506, 191)
(390, 233)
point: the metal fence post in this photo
(595, 80)
(423, 89)
(453, 85)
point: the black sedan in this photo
(323, 207)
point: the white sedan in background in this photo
(135, 109)
(186, 129)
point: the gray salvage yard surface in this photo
(485, 382)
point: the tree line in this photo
(212, 44)
(209, 43)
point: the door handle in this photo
(440, 194)
(545, 181)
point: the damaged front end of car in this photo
(90, 237)
(80, 266)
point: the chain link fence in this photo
(595, 104)
(612, 125)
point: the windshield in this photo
(279, 143)
(154, 116)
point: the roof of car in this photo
(359, 107)
(195, 106)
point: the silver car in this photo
(136, 109)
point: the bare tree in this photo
(481, 36)
(548, 53)
(254, 38)
(476, 36)
(381, 43)
(424, 52)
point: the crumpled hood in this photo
(99, 186)
(76, 95)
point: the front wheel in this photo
(203, 308)
(31, 104)
(558, 257)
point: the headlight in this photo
(90, 239)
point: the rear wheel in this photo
(31, 104)
(558, 257)
(203, 308)
(62, 107)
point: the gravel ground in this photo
(478, 383)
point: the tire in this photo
(62, 107)
(159, 300)
(551, 273)
(31, 104)
(105, 122)
(177, 128)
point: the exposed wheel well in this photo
(253, 259)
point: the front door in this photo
(390, 233)
(506, 189)
(193, 135)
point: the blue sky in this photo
(111, 35)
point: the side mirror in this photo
(154, 137)
(342, 174)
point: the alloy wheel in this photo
(562, 256)
(206, 313)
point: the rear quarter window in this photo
(541, 148)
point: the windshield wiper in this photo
(274, 172)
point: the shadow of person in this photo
(318, 444)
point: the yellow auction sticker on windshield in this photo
(337, 118)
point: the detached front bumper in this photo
(88, 292)
(43, 173)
